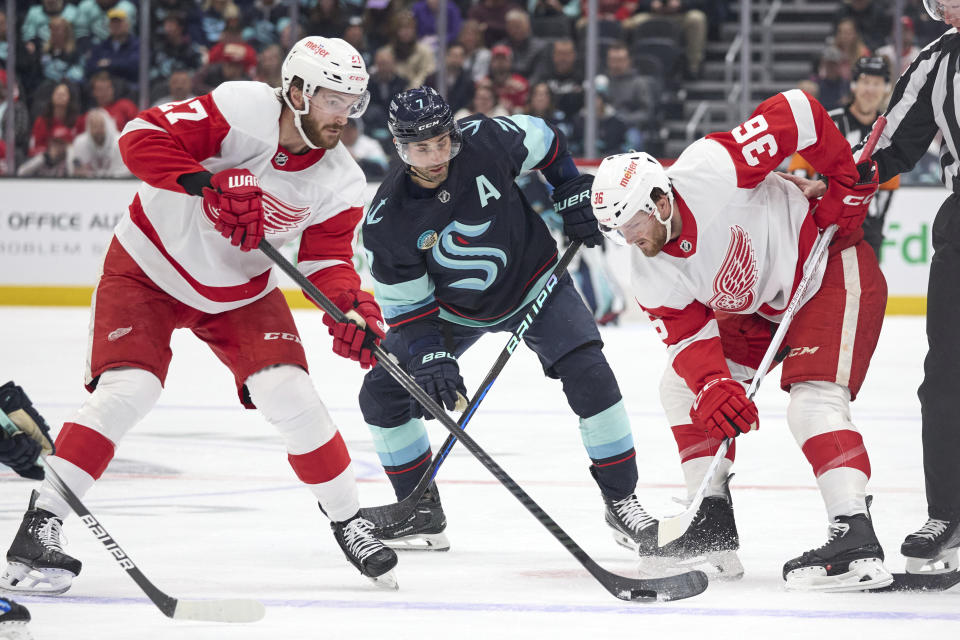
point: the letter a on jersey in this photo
(486, 190)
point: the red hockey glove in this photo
(364, 327)
(846, 205)
(235, 200)
(723, 408)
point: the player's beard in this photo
(433, 177)
(654, 244)
(325, 137)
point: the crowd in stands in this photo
(78, 61)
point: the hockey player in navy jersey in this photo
(455, 252)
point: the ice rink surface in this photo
(201, 497)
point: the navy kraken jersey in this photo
(472, 249)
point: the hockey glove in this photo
(20, 451)
(723, 408)
(437, 373)
(236, 203)
(571, 201)
(846, 205)
(364, 327)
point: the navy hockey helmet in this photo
(872, 66)
(417, 115)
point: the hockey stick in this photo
(390, 514)
(672, 528)
(237, 610)
(675, 587)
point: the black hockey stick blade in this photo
(622, 587)
(923, 582)
(387, 515)
(239, 610)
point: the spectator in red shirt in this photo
(62, 110)
(105, 96)
(231, 49)
(511, 88)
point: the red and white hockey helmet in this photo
(325, 63)
(622, 188)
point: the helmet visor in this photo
(337, 103)
(431, 152)
(942, 9)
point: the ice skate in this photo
(850, 560)
(423, 530)
(931, 554)
(710, 544)
(13, 621)
(36, 563)
(364, 551)
(632, 526)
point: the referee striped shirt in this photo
(925, 100)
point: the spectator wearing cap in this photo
(264, 20)
(52, 162)
(120, 53)
(232, 50)
(21, 119)
(564, 75)
(477, 61)
(832, 85)
(528, 51)
(95, 152)
(460, 85)
(61, 110)
(36, 24)
(414, 60)
(493, 14)
(216, 14)
(611, 129)
(425, 12)
(173, 49)
(61, 60)
(92, 25)
(511, 88)
(910, 50)
(635, 97)
(104, 93)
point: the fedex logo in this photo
(630, 171)
(234, 182)
(317, 49)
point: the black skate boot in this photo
(632, 526)
(851, 560)
(365, 551)
(13, 620)
(423, 530)
(709, 544)
(932, 549)
(36, 562)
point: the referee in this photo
(925, 102)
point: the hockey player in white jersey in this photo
(720, 244)
(245, 162)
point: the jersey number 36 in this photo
(746, 135)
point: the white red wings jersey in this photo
(172, 237)
(746, 233)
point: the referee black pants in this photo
(940, 391)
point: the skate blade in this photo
(19, 578)
(925, 582)
(718, 565)
(625, 541)
(15, 631)
(945, 562)
(386, 581)
(419, 542)
(863, 575)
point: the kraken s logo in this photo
(451, 254)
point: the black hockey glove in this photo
(571, 201)
(20, 451)
(437, 373)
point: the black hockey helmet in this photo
(421, 114)
(872, 66)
